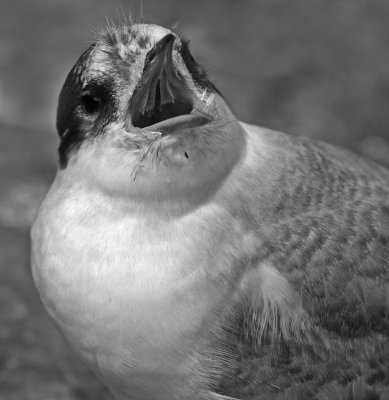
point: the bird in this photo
(185, 254)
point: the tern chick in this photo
(187, 255)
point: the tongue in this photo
(196, 118)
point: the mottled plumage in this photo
(187, 255)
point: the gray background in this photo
(318, 68)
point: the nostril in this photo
(150, 57)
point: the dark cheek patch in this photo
(71, 91)
(76, 123)
(71, 141)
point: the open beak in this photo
(162, 100)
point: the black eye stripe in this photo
(101, 87)
(85, 107)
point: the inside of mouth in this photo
(180, 104)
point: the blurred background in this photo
(316, 68)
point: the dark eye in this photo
(90, 104)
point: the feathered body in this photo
(186, 255)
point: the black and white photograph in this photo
(194, 200)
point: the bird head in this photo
(138, 116)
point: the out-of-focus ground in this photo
(317, 68)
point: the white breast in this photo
(133, 296)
